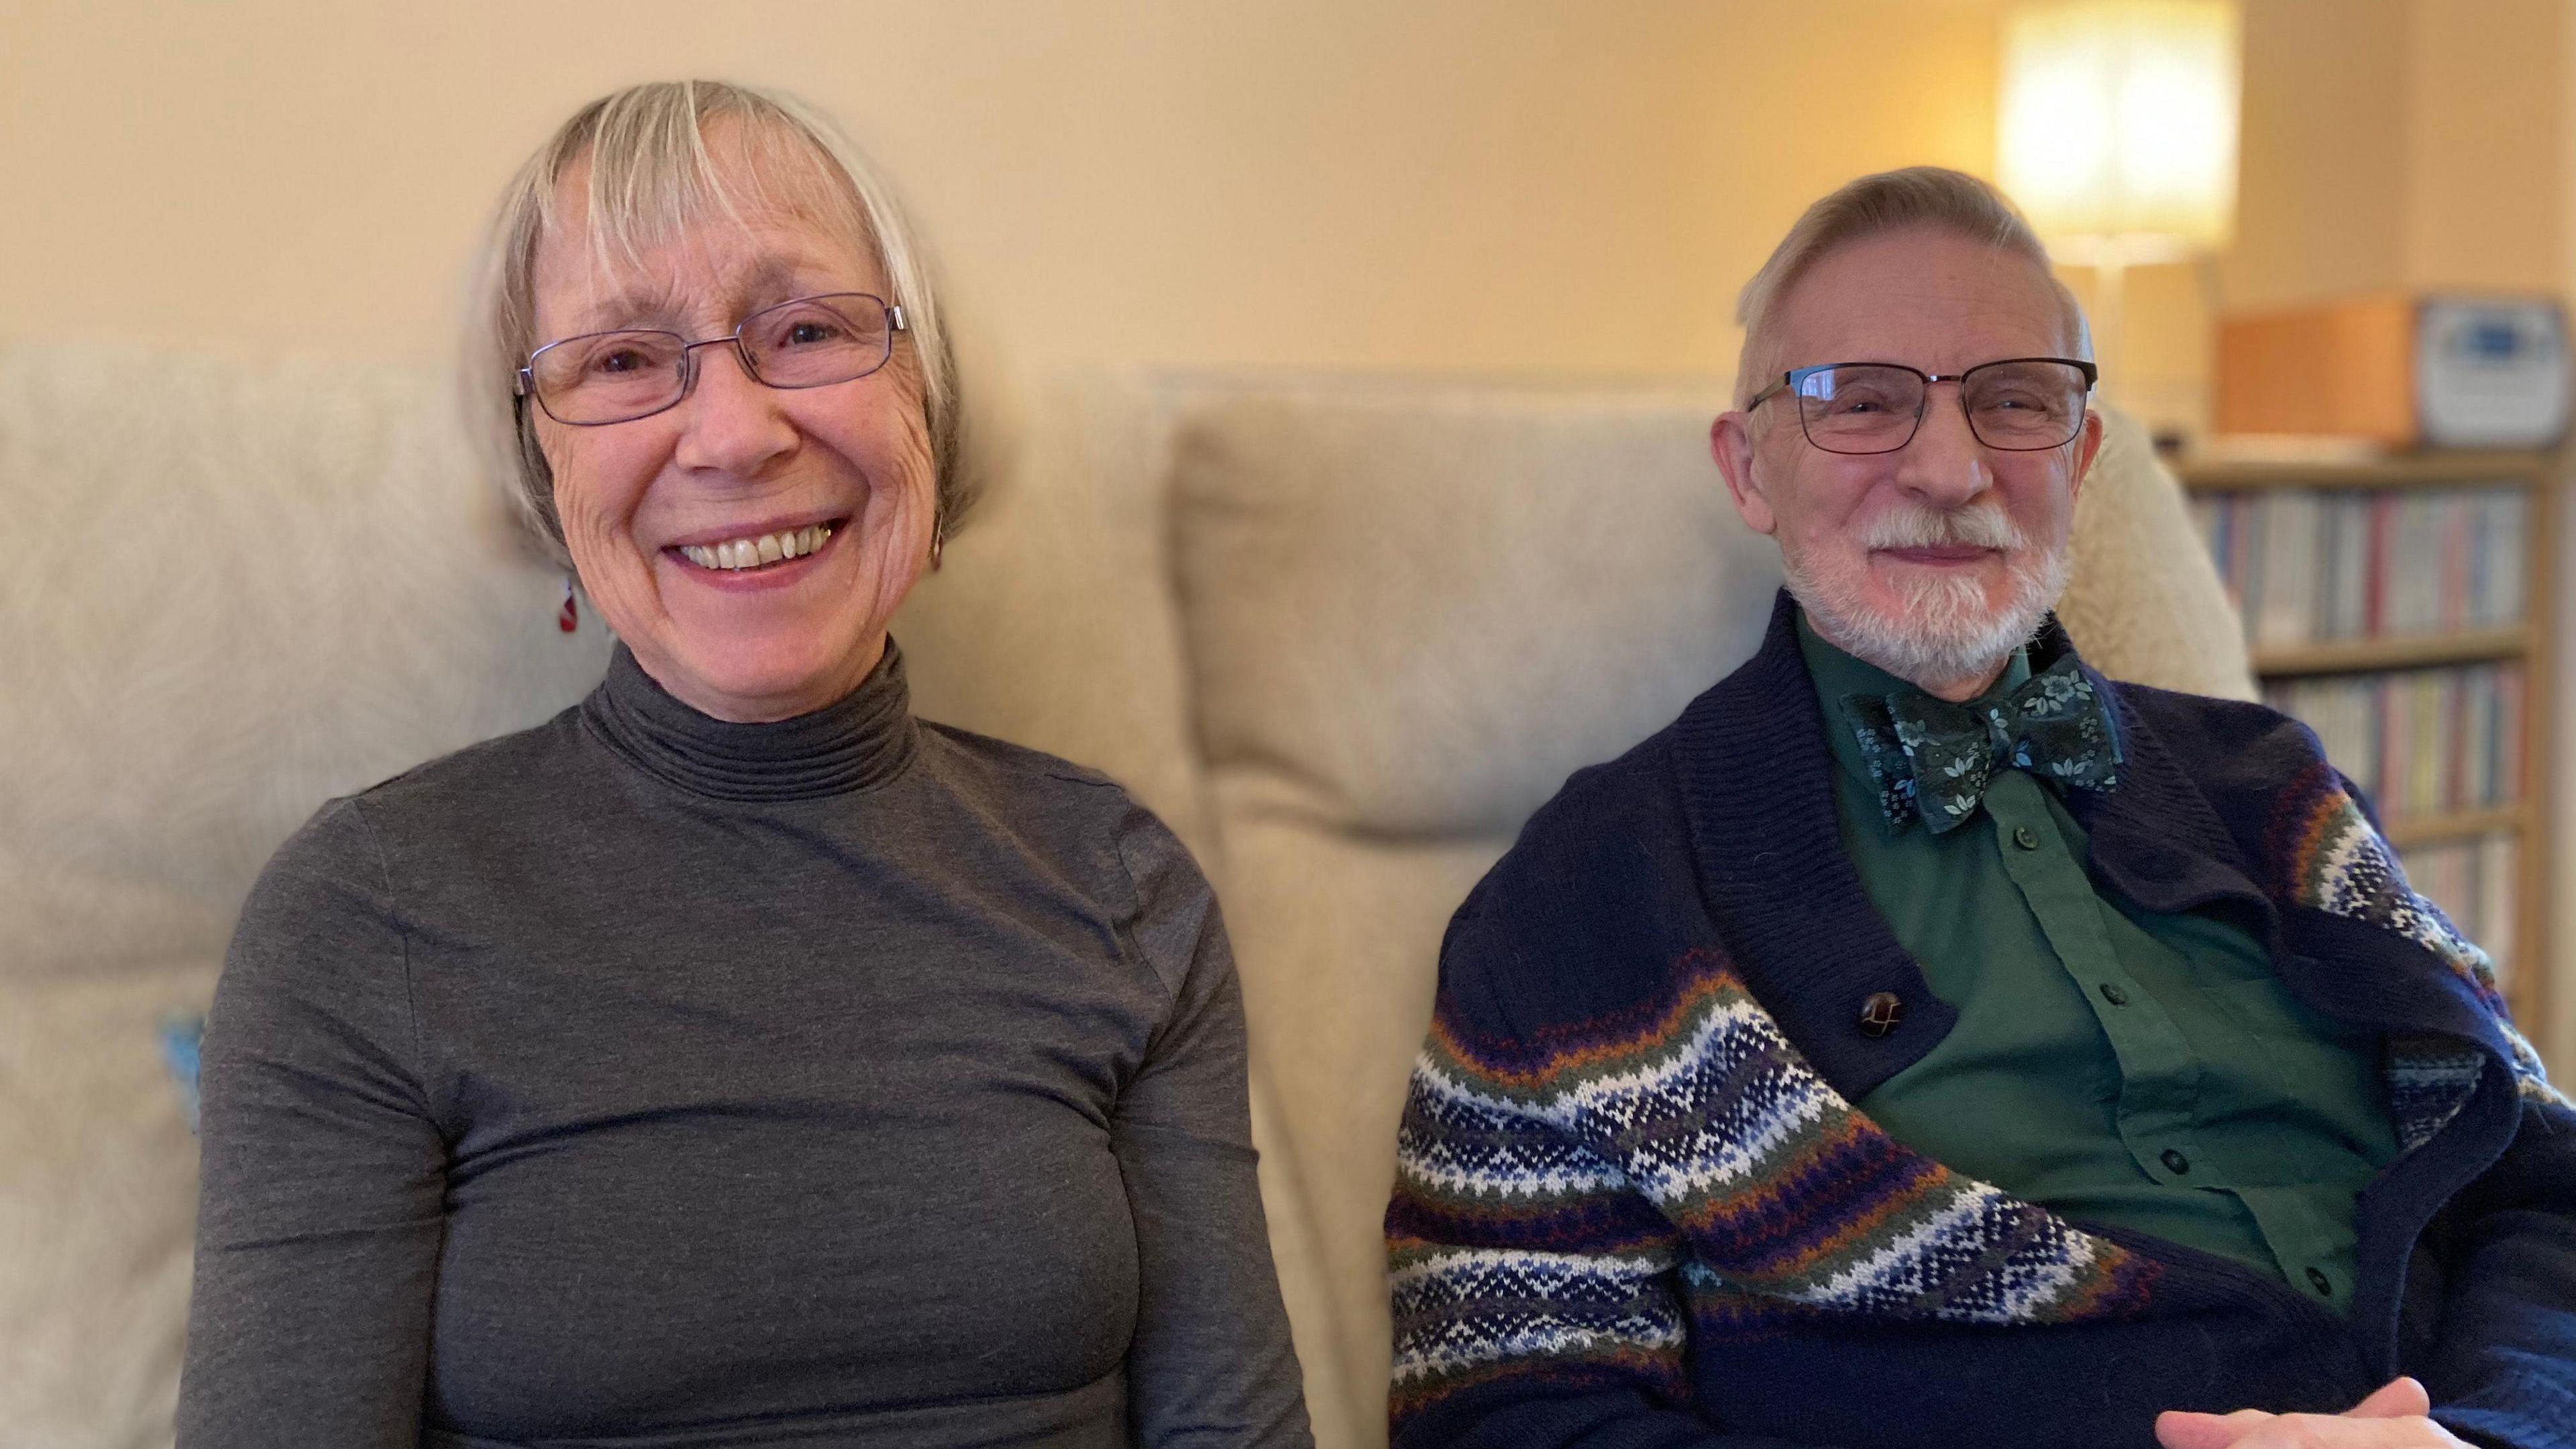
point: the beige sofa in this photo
(1345, 633)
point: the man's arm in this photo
(2503, 1366)
(1535, 1290)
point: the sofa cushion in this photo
(1336, 936)
(98, 1188)
(1052, 623)
(1415, 609)
(2146, 603)
(247, 588)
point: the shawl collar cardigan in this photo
(1596, 1222)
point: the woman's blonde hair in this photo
(1915, 196)
(652, 178)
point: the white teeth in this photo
(751, 553)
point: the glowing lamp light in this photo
(2117, 128)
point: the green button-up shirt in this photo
(2113, 1064)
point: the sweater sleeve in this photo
(1537, 1295)
(1211, 1363)
(319, 1222)
(2503, 1370)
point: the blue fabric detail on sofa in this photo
(180, 1037)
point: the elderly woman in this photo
(733, 1059)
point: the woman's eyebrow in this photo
(661, 304)
(655, 304)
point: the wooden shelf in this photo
(2534, 644)
(2419, 471)
(2459, 825)
(2342, 656)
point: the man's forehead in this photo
(1929, 298)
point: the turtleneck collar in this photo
(860, 741)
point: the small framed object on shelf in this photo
(2398, 605)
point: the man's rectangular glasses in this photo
(2017, 404)
(617, 377)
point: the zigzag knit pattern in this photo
(2330, 858)
(1584, 1170)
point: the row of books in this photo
(2418, 741)
(2306, 565)
(2474, 882)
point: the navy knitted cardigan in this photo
(1635, 1206)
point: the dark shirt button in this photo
(2318, 1280)
(1881, 1012)
(2114, 994)
(2025, 837)
(2176, 1163)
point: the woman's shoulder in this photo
(354, 838)
(1015, 777)
(1055, 806)
(518, 758)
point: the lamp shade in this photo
(2118, 120)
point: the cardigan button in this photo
(2175, 1162)
(1880, 1013)
(2318, 1280)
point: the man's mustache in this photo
(1915, 526)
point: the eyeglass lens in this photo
(1867, 407)
(612, 377)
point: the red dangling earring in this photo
(567, 618)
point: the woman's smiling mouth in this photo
(756, 551)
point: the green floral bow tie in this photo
(1933, 758)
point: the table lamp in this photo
(2116, 133)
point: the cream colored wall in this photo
(2485, 154)
(1486, 185)
(1515, 185)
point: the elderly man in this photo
(1926, 1041)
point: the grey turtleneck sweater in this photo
(647, 1080)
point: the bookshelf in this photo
(2401, 608)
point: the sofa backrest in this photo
(238, 589)
(234, 590)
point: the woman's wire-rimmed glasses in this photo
(2015, 404)
(600, 378)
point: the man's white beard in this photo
(1946, 631)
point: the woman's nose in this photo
(731, 421)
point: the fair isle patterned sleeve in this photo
(2502, 1369)
(2334, 860)
(1536, 1293)
(1575, 1203)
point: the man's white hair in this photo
(1916, 196)
(652, 178)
